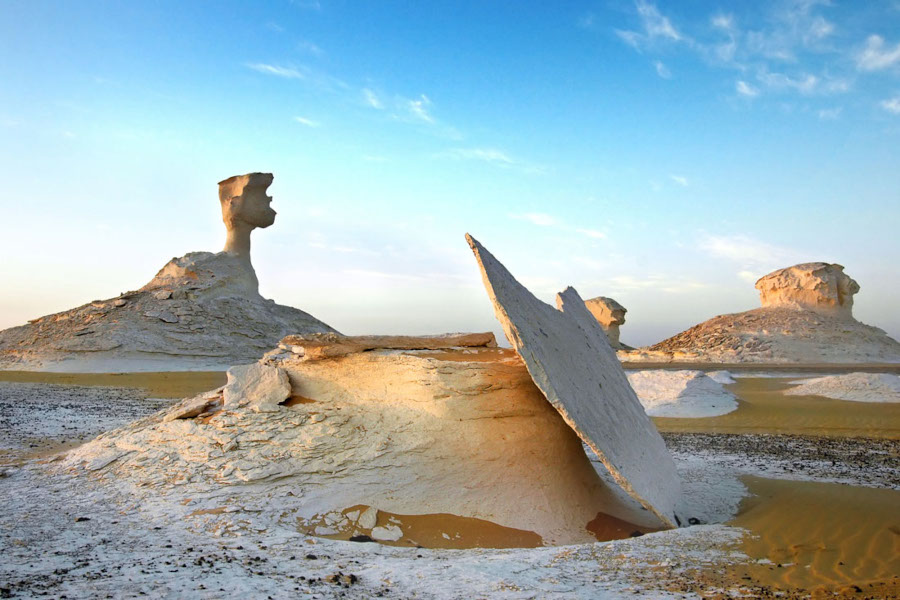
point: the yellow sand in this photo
(825, 536)
(178, 384)
(444, 530)
(763, 408)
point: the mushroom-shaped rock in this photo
(816, 286)
(610, 314)
(569, 358)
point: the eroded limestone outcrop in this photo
(815, 286)
(611, 315)
(573, 364)
(449, 434)
(201, 310)
(806, 317)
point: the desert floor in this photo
(799, 496)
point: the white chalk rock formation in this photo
(815, 286)
(201, 311)
(572, 363)
(611, 315)
(806, 317)
(683, 394)
(452, 433)
(855, 387)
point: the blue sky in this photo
(665, 154)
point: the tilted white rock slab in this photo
(572, 363)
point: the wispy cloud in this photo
(876, 57)
(746, 250)
(307, 122)
(372, 99)
(539, 219)
(680, 180)
(310, 47)
(662, 70)
(827, 114)
(418, 108)
(892, 105)
(592, 233)
(491, 155)
(276, 70)
(745, 89)
(654, 24)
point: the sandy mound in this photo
(855, 387)
(202, 311)
(690, 394)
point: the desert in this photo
(455, 207)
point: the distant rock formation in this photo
(815, 286)
(201, 311)
(610, 314)
(806, 317)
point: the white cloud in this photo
(745, 89)
(418, 108)
(680, 180)
(721, 21)
(307, 122)
(892, 105)
(592, 233)
(539, 219)
(491, 155)
(829, 113)
(805, 84)
(656, 26)
(875, 57)
(662, 70)
(278, 71)
(372, 99)
(746, 250)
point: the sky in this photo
(665, 154)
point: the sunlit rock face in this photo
(201, 311)
(815, 286)
(806, 317)
(454, 433)
(610, 314)
(571, 362)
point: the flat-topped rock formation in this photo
(201, 311)
(611, 315)
(345, 443)
(806, 317)
(572, 363)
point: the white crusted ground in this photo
(855, 387)
(686, 394)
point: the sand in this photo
(163, 384)
(819, 536)
(764, 408)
